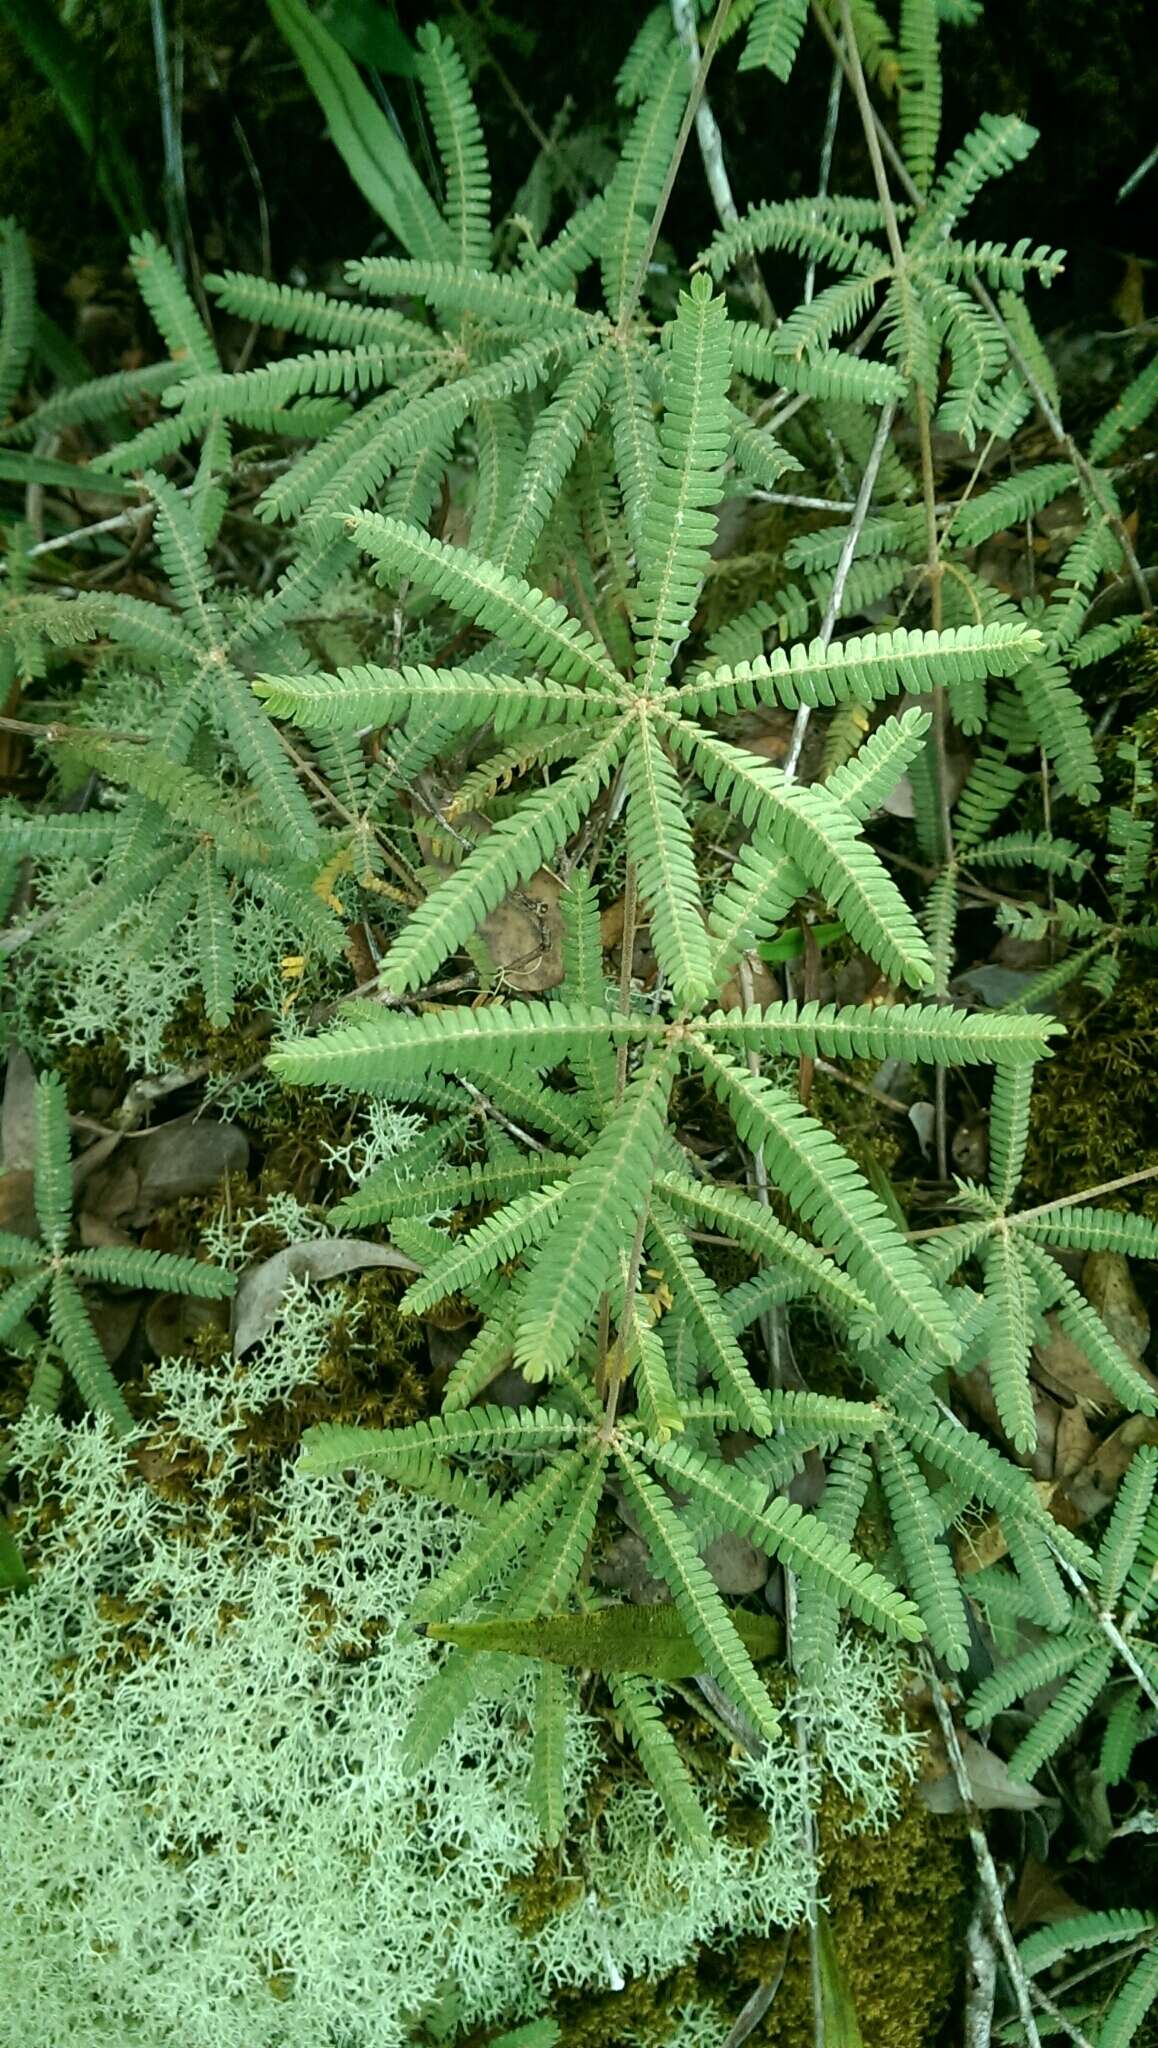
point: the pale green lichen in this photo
(206, 1809)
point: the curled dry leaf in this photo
(260, 1291)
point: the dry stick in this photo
(986, 1868)
(844, 564)
(982, 1981)
(1108, 1626)
(55, 732)
(715, 170)
(1105, 1621)
(826, 149)
(112, 525)
(349, 817)
(630, 303)
(801, 504)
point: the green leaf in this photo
(458, 133)
(374, 1047)
(702, 1312)
(602, 1206)
(14, 1573)
(679, 526)
(353, 698)
(911, 1031)
(1122, 2022)
(752, 1225)
(650, 1641)
(660, 1756)
(60, 476)
(1089, 1332)
(1011, 1296)
(774, 32)
(928, 1565)
(828, 1191)
(53, 1163)
(545, 1787)
(504, 605)
(822, 840)
(485, 1555)
(1064, 1714)
(333, 1447)
(18, 308)
(659, 841)
(1080, 1931)
(503, 860)
(841, 2025)
(782, 1529)
(76, 1339)
(375, 158)
(863, 669)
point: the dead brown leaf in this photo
(1108, 1286)
(990, 1785)
(1093, 1487)
(18, 1114)
(260, 1291)
(1040, 1896)
(1062, 1366)
(524, 936)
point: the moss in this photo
(874, 1136)
(545, 1891)
(1094, 1114)
(894, 1903)
(374, 1371)
(95, 1075)
(644, 2011)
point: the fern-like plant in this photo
(50, 1271)
(1021, 1281)
(1081, 1652)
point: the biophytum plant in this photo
(604, 1213)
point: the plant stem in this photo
(627, 310)
(986, 1868)
(1106, 1187)
(715, 170)
(844, 565)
